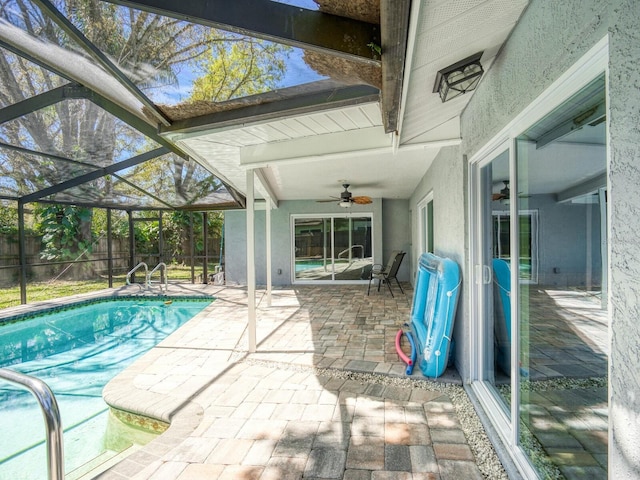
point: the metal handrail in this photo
(161, 266)
(51, 414)
(347, 250)
(133, 270)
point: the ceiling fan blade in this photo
(328, 200)
(361, 200)
(498, 196)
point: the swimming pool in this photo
(76, 351)
(302, 265)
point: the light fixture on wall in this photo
(459, 78)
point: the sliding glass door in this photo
(331, 248)
(539, 248)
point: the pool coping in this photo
(132, 291)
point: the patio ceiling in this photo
(307, 153)
(338, 112)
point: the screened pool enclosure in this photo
(94, 96)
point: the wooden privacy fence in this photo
(86, 265)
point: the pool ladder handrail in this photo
(146, 274)
(350, 249)
(161, 266)
(51, 414)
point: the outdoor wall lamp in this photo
(459, 78)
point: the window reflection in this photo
(327, 248)
(563, 318)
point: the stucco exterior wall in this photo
(624, 217)
(396, 223)
(236, 234)
(550, 37)
(446, 178)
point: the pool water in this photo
(76, 352)
(302, 265)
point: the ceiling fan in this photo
(346, 199)
(503, 194)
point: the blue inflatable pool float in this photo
(502, 310)
(433, 312)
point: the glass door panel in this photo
(495, 277)
(332, 248)
(352, 243)
(425, 224)
(563, 321)
(528, 244)
(312, 249)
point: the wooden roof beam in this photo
(394, 23)
(274, 21)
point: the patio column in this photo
(205, 241)
(192, 249)
(271, 202)
(251, 262)
(604, 248)
(268, 247)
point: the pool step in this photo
(100, 464)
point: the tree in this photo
(176, 229)
(65, 230)
(238, 69)
(153, 51)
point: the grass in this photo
(40, 291)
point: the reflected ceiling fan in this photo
(505, 193)
(346, 199)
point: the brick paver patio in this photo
(324, 396)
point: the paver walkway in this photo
(324, 397)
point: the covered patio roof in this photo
(89, 87)
(146, 104)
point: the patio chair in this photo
(384, 275)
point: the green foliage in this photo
(119, 223)
(146, 235)
(64, 231)
(10, 297)
(375, 48)
(152, 50)
(239, 68)
(176, 226)
(8, 220)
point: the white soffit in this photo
(446, 33)
(309, 148)
(293, 139)
(378, 174)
